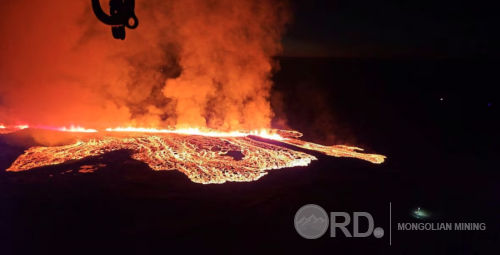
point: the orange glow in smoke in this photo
(224, 51)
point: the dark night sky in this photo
(393, 28)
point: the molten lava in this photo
(77, 129)
(9, 129)
(201, 155)
(3, 130)
(196, 131)
(200, 63)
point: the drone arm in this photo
(102, 16)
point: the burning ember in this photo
(204, 156)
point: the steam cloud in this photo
(189, 63)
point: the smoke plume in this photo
(189, 63)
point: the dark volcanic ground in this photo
(441, 156)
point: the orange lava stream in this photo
(201, 155)
(288, 137)
(196, 131)
(77, 129)
(9, 129)
(4, 130)
(202, 158)
(338, 151)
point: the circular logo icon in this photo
(378, 232)
(311, 221)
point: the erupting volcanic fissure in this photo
(191, 63)
(201, 66)
(202, 156)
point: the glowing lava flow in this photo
(196, 131)
(338, 151)
(77, 129)
(201, 155)
(285, 136)
(9, 129)
(202, 158)
(3, 130)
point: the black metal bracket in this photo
(121, 14)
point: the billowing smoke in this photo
(189, 63)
